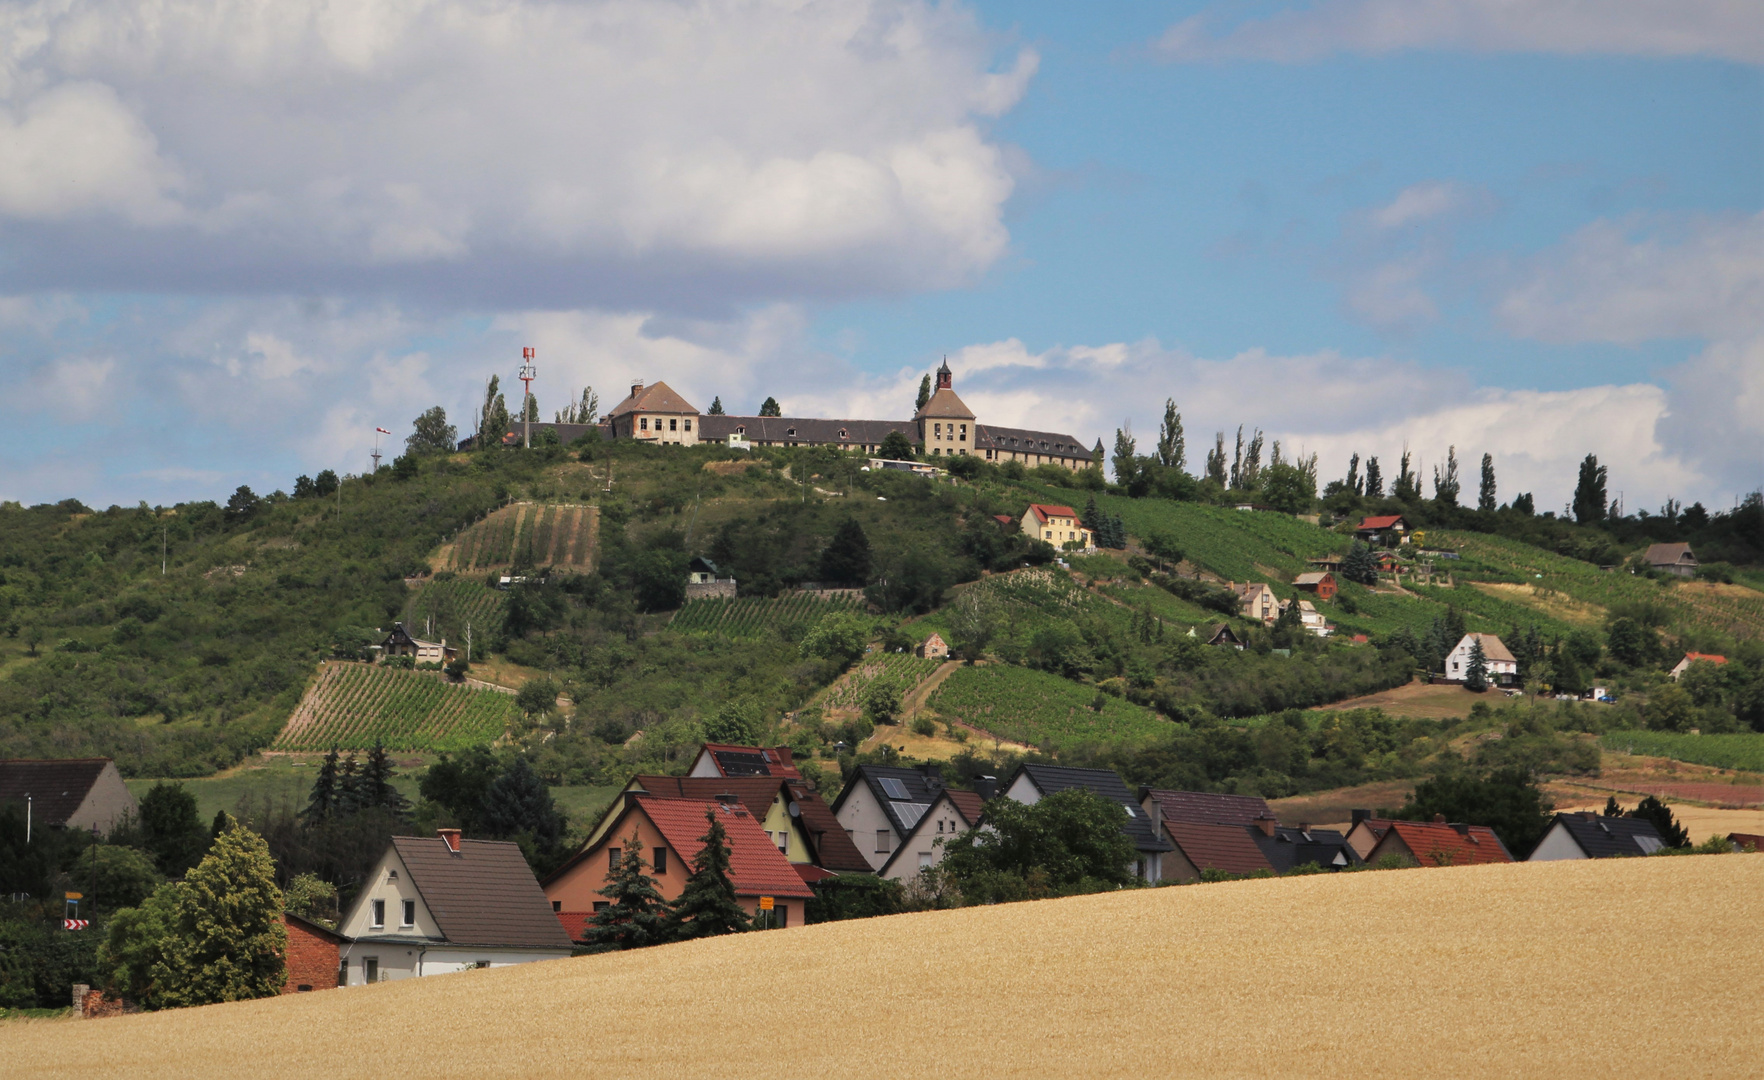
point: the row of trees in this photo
(637, 916)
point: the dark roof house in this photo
(1199, 848)
(1594, 836)
(1032, 783)
(834, 850)
(1672, 559)
(1287, 848)
(68, 793)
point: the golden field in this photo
(1644, 967)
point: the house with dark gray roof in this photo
(1032, 783)
(441, 904)
(68, 793)
(1288, 848)
(1594, 836)
(882, 805)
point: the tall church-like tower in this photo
(946, 424)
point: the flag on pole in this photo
(382, 431)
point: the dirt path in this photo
(915, 700)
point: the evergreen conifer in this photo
(322, 803)
(924, 394)
(376, 788)
(636, 917)
(706, 907)
(770, 407)
(847, 559)
(1652, 809)
(1485, 499)
(1360, 565)
(1476, 675)
(716, 408)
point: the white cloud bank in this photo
(1726, 29)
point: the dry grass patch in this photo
(1489, 964)
(1549, 602)
(1418, 699)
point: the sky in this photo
(237, 236)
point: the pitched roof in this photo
(1043, 511)
(1103, 782)
(1436, 843)
(732, 760)
(1693, 657)
(656, 397)
(1208, 808)
(967, 803)
(755, 793)
(1604, 838)
(833, 848)
(574, 923)
(756, 866)
(1381, 521)
(1668, 554)
(1492, 648)
(483, 895)
(1024, 441)
(1312, 578)
(804, 429)
(917, 788)
(1219, 632)
(56, 787)
(1218, 847)
(945, 405)
(1288, 848)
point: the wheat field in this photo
(1643, 967)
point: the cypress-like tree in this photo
(1476, 675)
(770, 407)
(348, 787)
(1353, 482)
(1216, 459)
(1172, 448)
(1485, 497)
(1126, 456)
(322, 803)
(706, 907)
(1408, 485)
(924, 394)
(847, 558)
(1652, 809)
(1445, 481)
(1374, 479)
(1589, 492)
(637, 915)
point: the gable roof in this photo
(56, 787)
(804, 429)
(1315, 578)
(834, 850)
(1208, 808)
(756, 866)
(1669, 555)
(485, 894)
(1492, 648)
(1024, 441)
(1601, 837)
(657, 397)
(970, 816)
(944, 405)
(732, 760)
(919, 789)
(1102, 782)
(1222, 632)
(968, 804)
(1712, 658)
(1218, 847)
(1436, 843)
(1380, 521)
(1288, 848)
(1042, 512)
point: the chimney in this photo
(450, 837)
(933, 773)
(1266, 823)
(1439, 819)
(636, 387)
(1463, 829)
(631, 796)
(1360, 815)
(986, 787)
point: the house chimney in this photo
(450, 837)
(1463, 829)
(1360, 815)
(986, 787)
(933, 773)
(1266, 823)
(631, 796)
(636, 387)
(1439, 819)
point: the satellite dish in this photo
(795, 810)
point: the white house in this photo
(952, 813)
(441, 904)
(882, 807)
(1594, 836)
(1690, 658)
(1501, 666)
(1310, 618)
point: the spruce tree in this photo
(637, 915)
(375, 786)
(924, 394)
(847, 558)
(348, 787)
(770, 407)
(716, 408)
(1093, 521)
(1652, 809)
(1476, 675)
(1359, 565)
(322, 803)
(706, 907)
(1485, 498)
(518, 804)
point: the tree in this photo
(1360, 565)
(1506, 800)
(896, 447)
(311, 897)
(1589, 492)
(881, 702)
(1374, 479)
(404, 467)
(170, 828)
(1445, 481)
(1613, 808)
(1476, 674)
(636, 916)
(770, 407)
(518, 806)
(587, 409)
(375, 787)
(716, 408)
(734, 724)
(536, 697)
(924, 397)
(1408, 485)
(1172, 448)
(1353, 482)
(1070, 841)
(461, 784)
(530, 407)
(1125, 458)
(432, 434)
(840, 636)
(1524, 504)
(973, 622)
(1288, 489)
(1485, 498)
(1652, 809)
(242, 505)
(846, 560)
(706, 906)
(493, 419)
(1164, 547)
(1631, 643)
(325, 483)
(133, 958)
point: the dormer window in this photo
(842, 433)
(791, 432)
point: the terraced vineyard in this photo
(443, 609)
(904, 669)
(749, 617)
(351, 705)
(1739, 751)
(525, 534)
(1034, 707)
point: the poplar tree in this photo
(706, 907)
(1216, 459)
(1374, 479)
(1408, 485)
(1485, 498)
(493, 418)
(924, 394)
(1353, 482)
(1589, 492)
(637, 915)
(1172, 448)
(1445, 481)
(1126, 458)
(1237, 461)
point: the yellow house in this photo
(1255, 600)
(655, 414)
(1058, 525)
(766, 798)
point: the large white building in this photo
(1498, 662)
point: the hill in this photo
(525, 534)
(352, 706)
(1473, 971)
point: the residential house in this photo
(1384, 529)
(1746, 842)
(951, 813)
(1365, 832)
(313, 957)
(1690, 658)
(657, 414)
(1058, 525)
(1222, 634)
(1502, 668)
(400, 643)
(1321, 582)
(1255, 600)
(703, 580)
(1330, 563)
(1203, 807)
(1198, 848)
(882, 805)
(1675, 559)
(1439, 843)
(1032, 783)
(68, 793)
(1594, 836)
(769, 799)
(1310, 618)
(440, 904)
(672, 832)
(1288, 848)
(833, 849)
(933, 648)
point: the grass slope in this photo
(351, 706)
(1743, 751)
(1038, 708)
(1485, 968)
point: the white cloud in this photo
(680, 153)
(1727, 29)
(1420, 202)
(1715, 414)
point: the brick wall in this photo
(312, 959)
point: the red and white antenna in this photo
(529, 372)
(379, 431)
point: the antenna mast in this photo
(379, 431)
(528, 373)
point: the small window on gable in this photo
(557, 905)
(379, 912)
(612, 859)
(409, 913)
(791, 432)
(661, 860)
(842, 433)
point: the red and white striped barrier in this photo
(75, 924)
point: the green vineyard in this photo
(1038, 708)
(351, 706)
(904, 669)
(526, 534)
(747, 617)
(444, 609)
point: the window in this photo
(791, 432)
(643, 424)
(964, 433)
(881, 841)
(924, 860)
(783, 842)
(673, 425)
(602, 905)
(612, 859)
(557, 905)
(410, 913)
(780, 917)
(372, 967)
(343, 972)
(686, 425)
(661, 860)
(481, 964)
(379, 913)
(938, 430)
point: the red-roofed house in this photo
(1695, 658)
(672, 832)
(1438, 843)
(834, 850)
(1058, 525)
(1383, 528)
(1228, 848)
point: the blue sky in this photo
(233, 242)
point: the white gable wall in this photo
(924, 847)
(390, 882)
(1457, 662)
(1556, 845)
(862, 818)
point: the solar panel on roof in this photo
(738, 764)
(910, 812)
(894, 788)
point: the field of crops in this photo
(443, 609)
(526, 534)
(1743, 751)
(903, 669)
(351, 705)
(1035, 707)
(747, 617)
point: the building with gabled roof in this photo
(1675, 559)
(1057, 525)
(1288, 848)
(1382, 528)
(68, 793)
(1588, 835)
(1203, 807)
(952, 813)
(656, 414)
(882, 805)
(1031, 783)
(440, 904)
(1256, 600)
(672, 831)
(1497, 659)
(834, 850)
(1439, 843)
(1695, 658)
(1321, 582)
(1198, 848)
(769, 799)
(1222, 634)
(401, 642)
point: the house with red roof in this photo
(1058, 525)
(672, 831)
(1388, 529)
(1695, 658)
(833, 847)
(1439, 843)
(1226, 848)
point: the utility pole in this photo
(379, 431)
(164, 546)
(529, 372)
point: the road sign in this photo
(74, 896)
(75, 924)
(765, 903)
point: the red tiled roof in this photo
(755, 793)
(1382, 521)
(575, 923)
(756, 866)
(1708, 657)
(967, 803)
(810, 873)
(1439, 844)
(777, 758)
(1218, 847)
(1043, 511)
(1753, 840)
